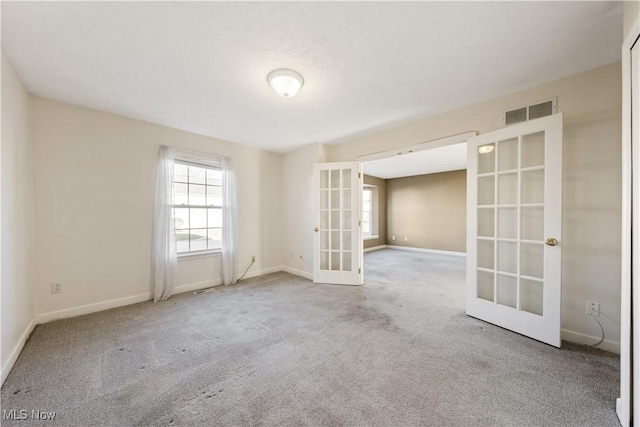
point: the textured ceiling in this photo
(202, 66)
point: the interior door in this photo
(337, 254)
(514, 217)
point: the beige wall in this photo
(94, 185)
(631, 14)
(297, 216)
(591, 103)
(381, 184)
(429, 211)
(17, 216)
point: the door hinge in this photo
(359, 223)
(359, 175)
(359, 270)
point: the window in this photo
(197, 209)
(367, 211)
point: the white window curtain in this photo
(229, 224)
(165, 259)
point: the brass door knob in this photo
(551, 241)
(316, 229)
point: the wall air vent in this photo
(535, 111)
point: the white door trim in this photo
(628, 355)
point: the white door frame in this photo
(422, 146)
(630, 302)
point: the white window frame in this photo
(373, 234)
(202, 164)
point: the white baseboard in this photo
(374, 248)
(262, 272)
(431, 251)
(195, 287)
(297, 272)
(578, 338)
(17, 350)
(91, 308)
(121, 302)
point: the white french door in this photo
(514, 217)
(337, 252)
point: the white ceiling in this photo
(202, 66)
(441, 159)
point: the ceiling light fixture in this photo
(285, 82)
(485, 149)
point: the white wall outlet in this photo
(56, 288)
(253, 258)
(393, 237)
(406, 239)
(593, 309)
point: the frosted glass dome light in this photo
(285, 82)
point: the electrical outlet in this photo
(393, 237)
(56, 288)
(406, 239)
(593, 309)
(253, 258)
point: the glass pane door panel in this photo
(533, 186)
(346, 178)
(486, 158)
(531, 297)
(346, 199)
(335, 199)
(485, 285)
(508, 223)
(324, 199)
(507, 291)
(532, 223)
(324, 260)
(335, 261)
(485, 254)
(508, 189)
(335, 240)
(346, 241)
(324, 240)
(486, 222)
(508, 154)
(532, 260)
(486, 190)
(346, 219)
(324, 220)
(335, 220)
(507, 257)
(346, 261)
(533, 150)
(324, 179)
(335, 178)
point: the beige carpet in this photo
(280, 350)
